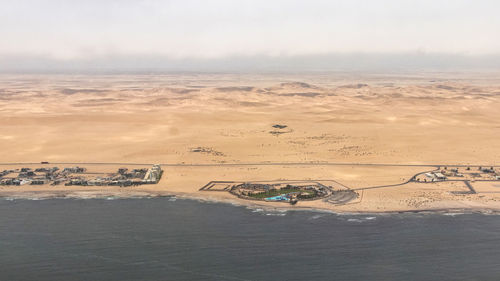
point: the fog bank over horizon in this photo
(248, 35)
(361, 62)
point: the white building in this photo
(440, 176)
(153, 174)
(430, 176)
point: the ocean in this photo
(169, 239)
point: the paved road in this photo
(397, 184)
(472, 190)
(466, 182)
(257, 164)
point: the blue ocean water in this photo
(165, 239)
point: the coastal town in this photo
(376, 187)
(384, 160)
(76, 175)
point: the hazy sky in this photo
(217, 29)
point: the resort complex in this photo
(284, 191)
(288, 192)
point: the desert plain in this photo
(256, 127)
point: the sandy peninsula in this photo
(216, 127)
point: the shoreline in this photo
(145, 194)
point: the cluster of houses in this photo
(491, 171)
(38, 176)
(123, 178)
(467, 174)
(435, 176)
(79, 176)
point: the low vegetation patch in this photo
(276, 192)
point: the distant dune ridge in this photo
(400, 122)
